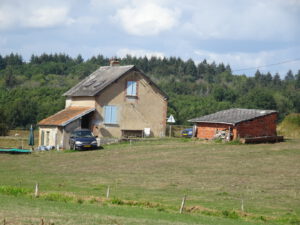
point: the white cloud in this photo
(254, 20)
(265, 61)
(139, 53)
(33, 14)
(47, 17)
(147, 19)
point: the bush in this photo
(15, 191)
(230, 214)
(57, 197)
(117, 201)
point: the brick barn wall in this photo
(208, 130)
(263, 126)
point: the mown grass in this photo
(215, 177)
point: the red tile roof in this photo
(66, 116)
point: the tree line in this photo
(31, 91)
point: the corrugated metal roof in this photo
(232, 116)
(66, 116)
(98, 80)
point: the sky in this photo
(244, 34)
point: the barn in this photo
(237, 123)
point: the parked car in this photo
(188, 132)
(82, 139)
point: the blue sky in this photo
(245, 33)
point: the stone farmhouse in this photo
(114, 101)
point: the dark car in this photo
(188, 132)
(82, 139)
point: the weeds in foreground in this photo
(289, 218)
(15, 191)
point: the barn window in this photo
(110, 114)
(131, 88)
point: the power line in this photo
(272, 64)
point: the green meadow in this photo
(223, 184)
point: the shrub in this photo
(230, 214)
(117, 201)
(15, 191)
(57, 197)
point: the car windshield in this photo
(83, 133)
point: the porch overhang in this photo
(66, 116)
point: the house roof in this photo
(66, 116)
(100, 79)
(232, 116)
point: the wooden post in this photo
(42, 221)
(182, 204)
(242, 205)
(4, 221)
(107, 192)
(170, 130)
(36, 192)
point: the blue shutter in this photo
(113, 114)
(107, 114)
(129, 88)
(133, 88)
(110, 114)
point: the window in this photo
(131, 88)
(110, 114)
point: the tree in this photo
(10, 78)
(3, 123)
(258, 99)
(276, 80)
(190, 68)
(289, 76)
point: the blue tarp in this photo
(15, 150)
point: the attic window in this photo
(131, 88)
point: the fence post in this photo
(107, 192)
(242, 205)
(36, 192)
(182, 204)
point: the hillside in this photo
(290, 126)
(31, 91)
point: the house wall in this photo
(262, 126)
(53, 138)
(208, 130)
(80, 101)
(147, 110)
(58, 136)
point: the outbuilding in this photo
(237, 123)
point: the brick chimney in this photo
(114, 62)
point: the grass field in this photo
(154, 176)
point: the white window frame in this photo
(131, 89)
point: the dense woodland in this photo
(31, 91)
